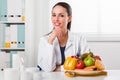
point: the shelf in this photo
(12, 49)
(9, 22)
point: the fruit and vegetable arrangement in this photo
(85, 62)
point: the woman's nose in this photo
(56, 18)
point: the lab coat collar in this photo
(69, 42)
(68, 45)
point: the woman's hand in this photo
(58, 68)
(55, 33)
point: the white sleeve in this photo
(46, 56)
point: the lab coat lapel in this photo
(70, 50)
(57, 51)
(70, 40)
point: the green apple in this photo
(89, 61)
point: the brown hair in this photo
(68, 9)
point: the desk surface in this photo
(112, 75)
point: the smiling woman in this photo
(60, 43)
(98, 18)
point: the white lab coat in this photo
(50, 55)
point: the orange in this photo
(99, 65)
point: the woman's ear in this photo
(69, 18)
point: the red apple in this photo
(97, 57)
(80, 64)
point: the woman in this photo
(60, 43)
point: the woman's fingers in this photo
(52, 37)
(58, 32)
(55, 33)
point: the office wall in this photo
(41, 22)
(36, 12)
(109, 51)
(29, 31)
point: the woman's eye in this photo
(53, 15)
(62, 15)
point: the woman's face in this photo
(60, 17)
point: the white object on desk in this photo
(17, 74)
(1, 75)
(25, 76)
(30, 71)
(11, 74)
(16, 61)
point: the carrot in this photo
(90, 68)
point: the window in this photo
(95, 17)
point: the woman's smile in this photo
(56, 24)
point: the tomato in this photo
(80, 64)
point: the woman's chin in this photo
(57, 27)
